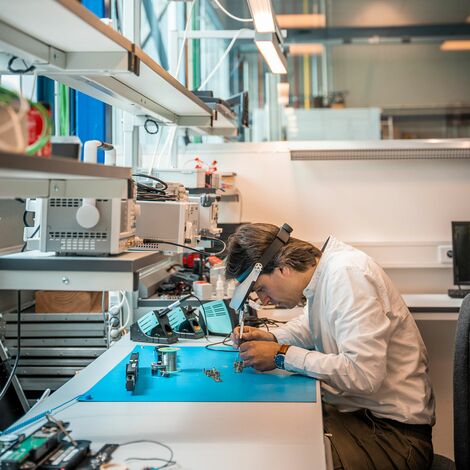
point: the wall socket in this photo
(444, 254)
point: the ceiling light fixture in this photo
(456, 45)
(306, 49)
(271, 50)
(268, 38)
(263, 17)
(304, 21)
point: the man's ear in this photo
(285, 270)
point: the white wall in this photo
(357, 201)
(397, 211)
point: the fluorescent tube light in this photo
(263, 16)
(306, 49)
(455, 45)
(305, 21)
(270, 48)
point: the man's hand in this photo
(259, 354)
(251, 334)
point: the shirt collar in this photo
(309, 291)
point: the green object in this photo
(64, 110)
(21, 453)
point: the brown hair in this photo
(247, 245)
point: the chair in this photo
(461, 396)
(462, 388)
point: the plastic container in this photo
(220, 288)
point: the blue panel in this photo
(190, 384)
(91, 113)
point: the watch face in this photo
(279, 361)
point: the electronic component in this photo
(190, 178)
(213, 374)
(153, 328)
(132, 368)
(66, 456)
(85, 226)
(167, 221)
(238, 366)
(208, 214)
(94, 461)
(32, 448)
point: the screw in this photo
(65, 280)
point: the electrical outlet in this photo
(444, 254)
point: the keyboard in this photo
(458, 293)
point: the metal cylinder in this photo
(170, 358)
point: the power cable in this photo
(18, 349)
(237, 18)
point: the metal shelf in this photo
(119, 272)
(68, 43)
(25, 176)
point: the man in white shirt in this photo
(357, 336)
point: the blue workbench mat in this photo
(190, 384)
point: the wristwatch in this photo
(280, 356)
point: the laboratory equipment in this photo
(85, 226)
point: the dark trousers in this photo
(361, 441)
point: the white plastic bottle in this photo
(230, 288)
(219, 289)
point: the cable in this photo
(168, 462)
(222, 58)
(18, 349)
(203, 253)
(25, 70)
(25, 222)
(126, 301)
(209, 347)
(243, 20)
(28, 422)
(158, 180)
(30, 238)
(168, 143)
(185, 36)
(145, 192)
(157, 127)
(216, 240)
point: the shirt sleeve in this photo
(360, 325)
(295, 332)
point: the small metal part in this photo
(154, 368)
(169, 358)
(158, 354)
(131, 372)
(238, 366)
(213, 374)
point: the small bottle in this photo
(230, 288)
(219, 289)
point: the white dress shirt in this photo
(358, 337)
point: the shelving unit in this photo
(77, 273)
(68, 43)
(25, 176)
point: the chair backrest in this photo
(462, 388)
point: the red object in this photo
(188, 260)
(35, 125)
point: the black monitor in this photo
(461, 252)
